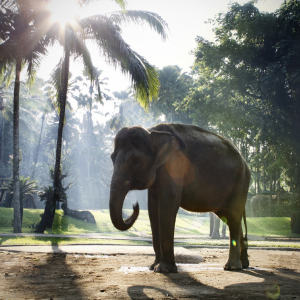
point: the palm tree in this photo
(26, 187)
(106, 32)
(22, 41)
(174, 88)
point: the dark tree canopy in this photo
(174, 86)
(249, 80)
(257, 56)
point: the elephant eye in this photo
(135, 160)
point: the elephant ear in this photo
(164, 144)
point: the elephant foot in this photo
(152, 266)
(233, 265)
(165, 268)
(215, 236)
(245, 261)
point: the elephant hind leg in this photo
(238, 254)
(235, 231)
(234, 262)
(244, 248)
(244, 244)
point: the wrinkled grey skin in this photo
(181, 166)
(260, 206)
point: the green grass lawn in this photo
(185, 225)
(67, 225)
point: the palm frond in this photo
(7, 186)
(26, 186)
(144, 95)
(121, 3)
(46, 193)
(140, 17)
(117, 52)
(79, 49)
(55, 80)
(7, 72)
(27, 120)
(23, 25)
(34, 60)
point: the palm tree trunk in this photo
(49, 212)
(63, 100)
(16, 153)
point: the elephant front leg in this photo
(154, 222)
(168, 205)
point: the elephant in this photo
(181, 166)
(260, 206)
(29, 201)
(214, 230)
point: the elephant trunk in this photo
(118, 192)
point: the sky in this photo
(186, 20)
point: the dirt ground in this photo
(274, 274)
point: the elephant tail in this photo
(245, 224)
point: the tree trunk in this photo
(295, 222)
(1, 137)
(38, 148)
(257, 166)
(278, 188)
(81, 215)
(264, 174)
(2, 193)
(271, 190)
(8, 200)
(16, 152)
(49, 213)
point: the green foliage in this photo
(275, 226)
(174, 87)
(65, 241)
(26, 186)
(46, 193)
(21, 34)
(252, 66)
(106, 32)
(130, 113)
(248, 90)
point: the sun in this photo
(63, 11)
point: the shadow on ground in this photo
(270, 285)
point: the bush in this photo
(283, 210)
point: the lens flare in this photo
(233, 243)
(273, 291)
(224, 219)
(63, 11)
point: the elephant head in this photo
(137, 154)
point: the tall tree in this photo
(174, 86)
(21, 42)
(105, 31)
(251, 75)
